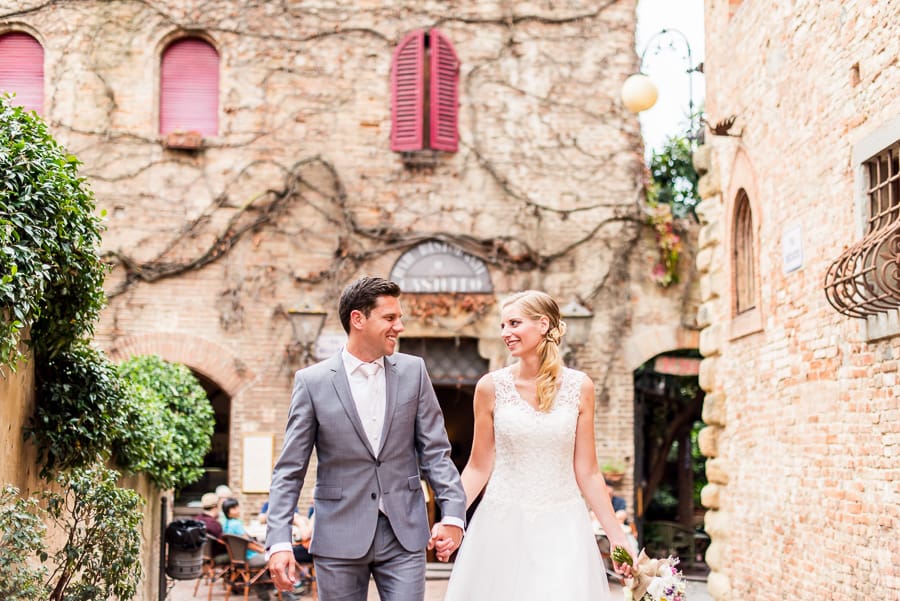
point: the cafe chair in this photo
(241, 574)
(210, 570)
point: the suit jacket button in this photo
(374, 496)
(378, 463)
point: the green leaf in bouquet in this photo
(620, 555)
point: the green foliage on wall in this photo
(81, 409)
(674, 177)
(171, 422)
(51, 275)
(672, 195)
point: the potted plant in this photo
(613, 470)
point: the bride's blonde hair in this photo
(536, 304)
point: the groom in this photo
(375, 423)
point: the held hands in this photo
(445, 539)
(281, 567)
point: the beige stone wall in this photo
(20, 468)
(545, 188)
(17, 394)
(802, 406)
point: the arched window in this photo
(422, 121)
(743, 256)
(189, 88)
(22, 70)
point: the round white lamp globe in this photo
(638, 93)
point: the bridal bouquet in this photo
(652, 579)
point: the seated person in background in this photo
(264, 513)
(233, 525)
(223, 492)
(620, 507)
(302, 533)
(209, 504)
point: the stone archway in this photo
(204, 357)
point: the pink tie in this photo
(370, 404)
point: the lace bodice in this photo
(533, 463)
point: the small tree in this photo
(171, 422)
(99, 558)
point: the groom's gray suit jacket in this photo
(350, 476)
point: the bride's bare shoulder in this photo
(485, 384)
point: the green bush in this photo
(21, 545)
(171, 422)
(51, 275)
(100, 555)
(81, 411)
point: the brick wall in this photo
(545, 187)
(803, 407)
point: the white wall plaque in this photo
(257, 463)
(792, 247)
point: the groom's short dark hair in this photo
(362, 295)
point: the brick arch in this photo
(207, 358)
(743, 177)
(641, 349)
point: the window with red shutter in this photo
(420, 122)
(407, 93)
(444, 99)
(22, 70)
(189, 88)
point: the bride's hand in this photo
(623, 568)
(445, 539)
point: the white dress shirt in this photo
(370, 404)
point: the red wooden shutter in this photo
(189, 88)
(22, 70)
(444, 99)
(407, 93)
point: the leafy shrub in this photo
(99, 558)
(21, 542)
(171, 422)
(52, 275)
(81, 409)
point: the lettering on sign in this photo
(438, 267)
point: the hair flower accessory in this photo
(555, 334)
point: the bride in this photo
(533, 454)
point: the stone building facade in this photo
(218, 242)
(801, 361)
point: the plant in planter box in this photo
(613, 470)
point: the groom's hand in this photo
(445, 539)
(281, 567)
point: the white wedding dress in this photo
(531, 538)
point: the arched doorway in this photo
(669, 468)
(215, 464)
(454, 367)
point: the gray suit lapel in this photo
(342, 388)
(391, 384)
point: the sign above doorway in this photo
(438, 267)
